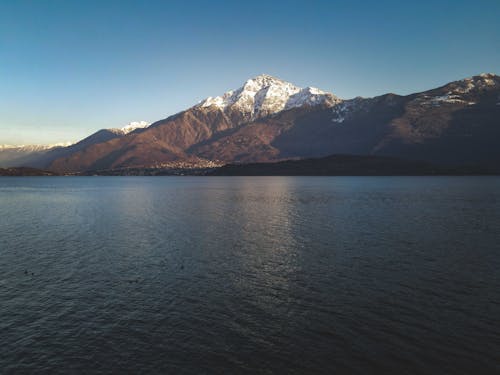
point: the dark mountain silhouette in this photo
(345, 165)
(25, 171)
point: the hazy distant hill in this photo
(43, 156)
(14, 156)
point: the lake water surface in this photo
(250, 275)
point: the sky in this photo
(69, 68)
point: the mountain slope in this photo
(104, 135)
(42, 156)
(454, 124)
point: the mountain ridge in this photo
(268, 120)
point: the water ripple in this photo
(250, 275)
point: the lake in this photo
(189, 275)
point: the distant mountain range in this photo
(41, 156)
(13, 156)
(270, 120)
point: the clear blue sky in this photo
(68, 68)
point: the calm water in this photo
(250, 275)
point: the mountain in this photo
(182, 136)
(268, 120)
(12, 156)
(43, 156)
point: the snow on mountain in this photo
(343, 110)
(460, 92)
(8, 147)
(479, 82)
(265, 95)
(454, 94)
(23, 155)
(130, 127)
(135, 125)
(34, 148)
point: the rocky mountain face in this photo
(268, 119)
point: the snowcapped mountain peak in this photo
(265, 95)
(131, 126)
(264, 80)
(34, 148)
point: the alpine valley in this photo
(270, 120)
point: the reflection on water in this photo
(246, 275)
